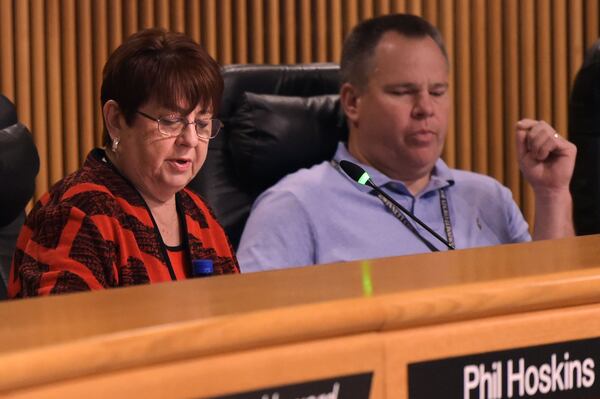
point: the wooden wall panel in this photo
(591, 22)
(38, 80)
(494, 91)
(68, 71)
(55, 94)
(289, 32)
(85, 60)
(23, 63)
(446, 26)
(464, 83)
(350, 15)
(320, 32)
(193, 18)
(100, 49)
(511, 101)
(575, 33)
(209, 21)
(240, 12)
(509, 59)
(274, 33)
(479, 110)
(178, 16)
(225, 36)
(559, 62)
(257, 29)
(117, 21)
(528, 62)
(7, 78)
(336, 36)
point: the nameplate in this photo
(562, 370)
(344, 387)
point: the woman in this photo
(125, 217)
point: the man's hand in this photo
(546, 159)
(547, 162)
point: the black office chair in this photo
(19, 165)
(584, 132)
(278, 119)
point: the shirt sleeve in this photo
(64, 252)
(277, 235)
(518, 229)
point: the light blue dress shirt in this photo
(319, 215)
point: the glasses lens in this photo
(208, 129)
(170, 127)
(215, 128)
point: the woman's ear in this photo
(113, 119)
(349, 98)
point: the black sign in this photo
(357, 386)
(563, 370)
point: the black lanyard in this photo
(185, 239)
(445, 216)
(400, 216)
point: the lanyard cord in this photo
(400, 216)
(397, 212)
(446, 217)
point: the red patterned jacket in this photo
(93, 230)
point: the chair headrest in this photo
(19, 165)
(272, 136)
(278, 119)
(300, 80)
(8, 113)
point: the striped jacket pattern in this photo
(93, 230)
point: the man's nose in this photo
(423, 106)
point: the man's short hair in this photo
(165, 66)
(360, 45)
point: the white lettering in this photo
(545, 380)
(588, 372)
(567, 375)
(524, 380)
(485, 380)
(557, 381)
(327, 395)
(531, 376)
(470, 379)
(333, 394)
(518, 376)
(575, 371)
(498, 380)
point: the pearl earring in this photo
(115, 145)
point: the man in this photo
(394, 93)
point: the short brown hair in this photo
(165, 66)
(360, 45)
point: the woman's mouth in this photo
(180, 164)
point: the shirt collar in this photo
(441, 176)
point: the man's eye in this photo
(438, 91)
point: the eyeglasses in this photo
(170, 126)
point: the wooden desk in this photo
(238, 333)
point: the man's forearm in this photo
(553, 215)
